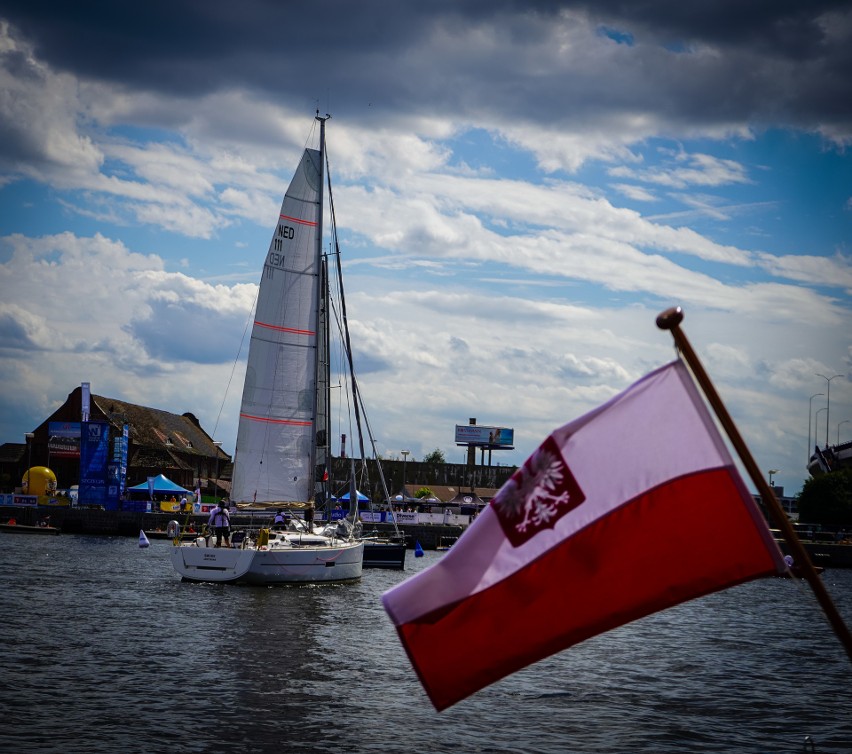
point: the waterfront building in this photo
(158, 442)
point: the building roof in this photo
(160, 438)
(157, 429)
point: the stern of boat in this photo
(216, 564)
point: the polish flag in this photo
(630, 509)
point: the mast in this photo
(320, 444)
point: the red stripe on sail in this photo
(268, 420)
(279, 328)
(687, 538)
(297, 220)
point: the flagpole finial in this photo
(670, 318)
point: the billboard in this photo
(476, 434)
(64, 439)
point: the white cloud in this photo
(523, 300)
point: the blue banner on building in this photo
(117, 470)
(94, 454)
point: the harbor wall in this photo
(98, 522)
(95, 521)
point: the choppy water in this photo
(106, 650)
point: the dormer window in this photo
(183, 439)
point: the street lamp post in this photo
(816, 424)
(827, 400)
(845, 421)
(810, 414)
(29, 436)
(772, 472)
(404, 460)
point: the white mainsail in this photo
(274, 458)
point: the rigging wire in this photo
(249, 321)
(343, 327)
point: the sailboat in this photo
(283, 452)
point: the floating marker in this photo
(418, 549)
(143, 540)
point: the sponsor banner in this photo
(85, 400)
(27, 500)
(406, 518)
(118, 476)
(94, 450)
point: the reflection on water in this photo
(106, 650)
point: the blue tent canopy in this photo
(161, 485)
(361, 497)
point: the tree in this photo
(827, 499)
(436, 456)
(423, 492)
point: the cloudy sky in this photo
(521, 188)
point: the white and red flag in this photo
(632, 508)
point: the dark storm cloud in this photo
(171, 333)
(779, 62)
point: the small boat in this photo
(445, 543)
(384, 552)
(27, 529)
(284, 433)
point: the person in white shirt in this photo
(220, 521)
(280, 521)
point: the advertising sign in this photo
(85, 400)
(475, 434)
(94, 452)
(64, 439)
(117, 469)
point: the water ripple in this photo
(107, 651)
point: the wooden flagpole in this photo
(670, 320)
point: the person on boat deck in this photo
(220, 520)
(280, 521)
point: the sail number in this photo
(285, 232)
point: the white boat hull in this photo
(290, 565)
